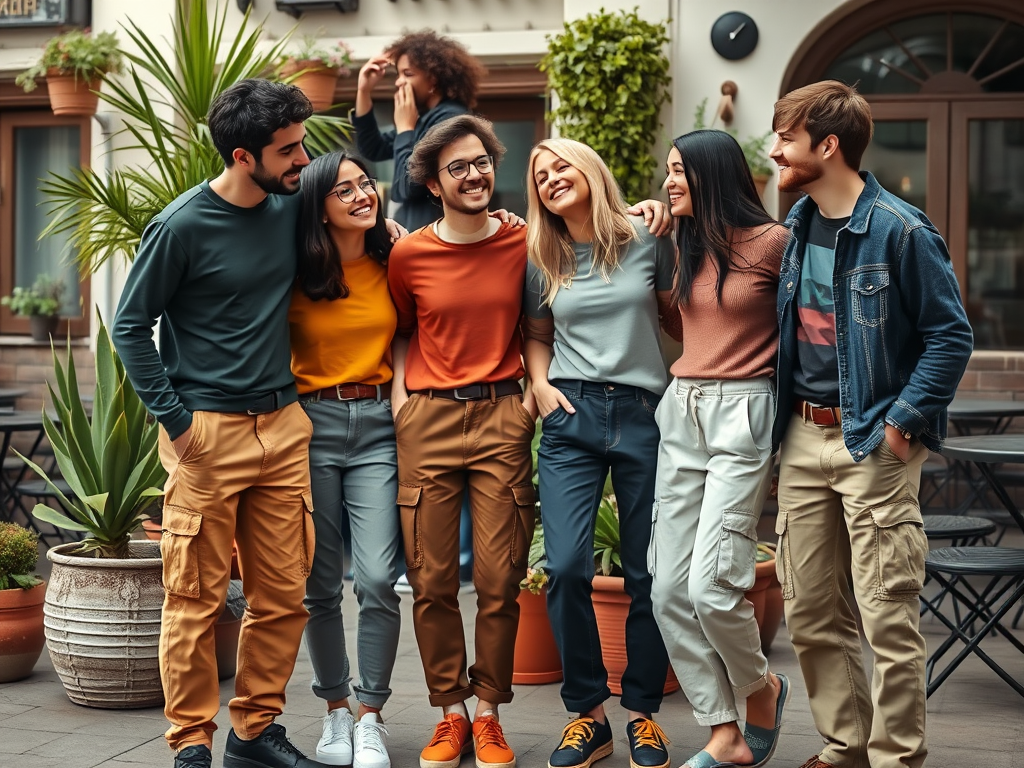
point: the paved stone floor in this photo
(974, 719)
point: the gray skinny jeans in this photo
(714, 471)
(353, 466)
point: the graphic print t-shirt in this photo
(816, 373)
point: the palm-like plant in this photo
(110, 461)
(104, 216)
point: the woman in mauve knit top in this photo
(715, 455)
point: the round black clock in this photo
(734, 35)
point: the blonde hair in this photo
(548, 242)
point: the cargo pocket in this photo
(900, 550)
(179, 549)
(783, 565)
(525, 499)
(737, 550)
(408, 508)
(652, 554)
(308, 534)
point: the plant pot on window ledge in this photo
(72, 95)
(42, 327)
(317, 82)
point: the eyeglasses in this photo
(345, 192)
(459, 169)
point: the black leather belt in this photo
(267, 403)
(475, 391)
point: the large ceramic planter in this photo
(536, 658)
(102, 620)
(766, 596)
(21, 631)
(318, 83)
(611, 606)
(70, 95)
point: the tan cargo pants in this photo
(853, 532)
(245, 478)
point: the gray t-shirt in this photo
(608, 331)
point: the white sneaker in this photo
(335, 746)
(371, 743)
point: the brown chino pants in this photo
(445, 448)
(245, 478)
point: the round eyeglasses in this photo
(345, 192)
(459, 169)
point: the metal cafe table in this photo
(10, 423)
(982, 609)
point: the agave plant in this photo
(111, 461)
(104, 215)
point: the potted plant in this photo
(315, 68)
(40, 304)
(610, 72)
(105, 596)
(755, 149)
(73, 63)
(766, 596)
(536, 659)
(21, 603)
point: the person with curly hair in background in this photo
(437, 79)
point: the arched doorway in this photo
(946, 86)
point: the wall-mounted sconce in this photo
(297, 7)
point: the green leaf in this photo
(59, 519)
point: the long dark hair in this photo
(723, 198)
(320, 275)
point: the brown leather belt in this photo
(475, 391)
(822, 417)
(349, 392)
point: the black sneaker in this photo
(196, 756)
(647, 744)
(271, 749)
(584, 741)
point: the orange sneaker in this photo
(492, 751)
(451, 741)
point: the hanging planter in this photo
(74, 63)
(72, 95)
(315, 69)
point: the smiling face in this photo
(680, 202)
(472, 194)
(561, 187)
(277, 170)
(359, 213)
(800, 166)
(422, 84)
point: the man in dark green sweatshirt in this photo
(216, 267)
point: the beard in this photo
(455, 203)
(273, 185)
(797, 176)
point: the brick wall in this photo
(994, 376)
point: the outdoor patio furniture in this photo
(980, 610)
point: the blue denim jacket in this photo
(902, 334)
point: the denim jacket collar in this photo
(801, 213)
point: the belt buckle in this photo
(337, 389)
(457, 396)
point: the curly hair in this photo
(455, 70)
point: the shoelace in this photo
(447, 730)
(276, 734)
(491, 734)
(331, 724)
(577, 732)
(371, 736)
(649, 734)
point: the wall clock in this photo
(734, 35)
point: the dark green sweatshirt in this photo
(219, 278)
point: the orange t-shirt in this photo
(345, 341)
(461, 305)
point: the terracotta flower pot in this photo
(766, 596)
(21, 631)
(70, 95)
(611, 606)
(760, 184)
(536, 658)
(318, 83)
(225, 633)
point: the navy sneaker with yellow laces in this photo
(647, 744)
(584, 741)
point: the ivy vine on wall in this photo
(610, 73)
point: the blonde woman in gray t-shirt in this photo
(597, 283)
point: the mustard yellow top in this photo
(347, 341)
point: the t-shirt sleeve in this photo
(533, 294)
(401, 295)
(664, 263)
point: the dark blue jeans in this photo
(613, 428)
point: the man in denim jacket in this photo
(874, 340)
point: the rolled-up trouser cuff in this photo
(488, 694)
(751, 688)
(374, 699)
(717, 718)
(334, 693)
(585, 705)
(447, 699)
(204, 738)
(640, 705)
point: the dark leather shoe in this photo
(271, 749)
(815, 762)
(196, 756)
